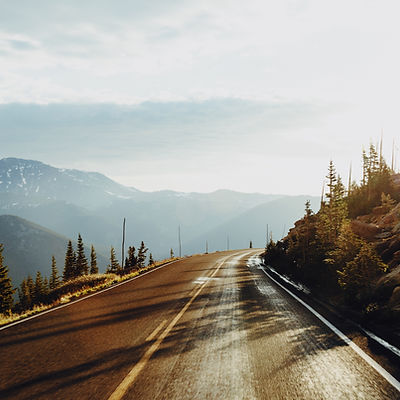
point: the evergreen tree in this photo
(131, 260)
(54, 278)
(373, 159)
(360, 273)
(347, 246)
(24, 295)
(113, 267)
(151, 261)
(251, 244)
(365, 168)
(39, 290)
(141, 257)
(332, 215)
(6, 290)
(81, 264)
(387, 202)
(308, 210)
(31, 288)
(46, 288)
(171, 253)
(94, 269)
(331, 181)
(69, 266)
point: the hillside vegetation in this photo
(348, 253)
(29, 248)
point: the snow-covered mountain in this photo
(39, 182)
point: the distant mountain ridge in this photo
(69, 201)
(40, 182)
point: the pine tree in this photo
(332, 215)
(151, 261)
(373, 161)
(171, 253)
(141, 257)
(365, 168)
(131, 260)
(69, 266)
(54, 278)
(24, 295)
(81, 264)
(46, 288)
(38, 291)
(251, 244)
(113, 267)
(6, 290)
(361, 272)
(303, 247)
(308, 209)
(31, 288)
(94, 269)
(347, 246)
(331, 181)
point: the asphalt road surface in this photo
(206, 327)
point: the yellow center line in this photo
(155, 332)
(134, 372)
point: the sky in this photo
(200, 96)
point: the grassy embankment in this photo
(78, 288)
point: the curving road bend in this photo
(207, 327)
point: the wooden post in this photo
(123, 244)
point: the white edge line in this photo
(372, 335)
(382, 342)
(83, 298)
(390, 378)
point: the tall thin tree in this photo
(6, 290)
(81, 264)
(93, 261)
(54, 278)
(113, 267)
(69, 265)
(141, 257)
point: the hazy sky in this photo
(200, 95)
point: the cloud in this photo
(197, 83)
(127, 52)
(63, 133)
(21, 44)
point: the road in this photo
(206, 327)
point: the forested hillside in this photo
(349, 251)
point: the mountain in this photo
(252, 225)
(71, 201)
(34, 182)
(28, 248)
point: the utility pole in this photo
(180, 242)
(123, 244)
(380, 152)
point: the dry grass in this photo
(79, 287)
